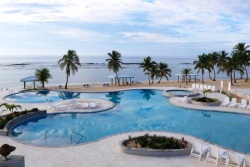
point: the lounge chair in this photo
(198, 149)
(58, 106)
(243, 103)
(193, 87)
(85, 105)
(73, 104)
(201, 87)
(197, 86)
(246, 162)
(214, 154)
(213, 89)
(205, 87)
(92, 105)
(233, 103)
(234, 160)
(225, 102)
(209, 87)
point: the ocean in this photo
(93, 70)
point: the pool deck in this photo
(105, 152)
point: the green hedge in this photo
(6, 118)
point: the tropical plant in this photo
(213, 60)
(201, 65)
(43, 75)
(222, 60)
(205, 91)
(186, 72)
(147, 65)
(241, 50)
(71, 62)
(114, 63)
(10, 107)
(154, 72)
(164, 71)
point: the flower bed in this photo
(205, 101)
(155, 146)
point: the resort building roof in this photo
(29, 79)
(188, 76)
(122, 76)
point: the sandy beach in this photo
(241, 84)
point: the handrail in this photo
(82, 137)
(11, 91)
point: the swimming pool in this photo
(136, 110)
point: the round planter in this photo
(198, 103)
(154, 152)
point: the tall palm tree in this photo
(71, 62)
(43, 75)
(241, 50)
(222, 60)
(147, 64)
(186, 72)
(154, 72)
(164, 71)
(213, 60)
(114, 63)
(201, 65)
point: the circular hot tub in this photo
(180, 93)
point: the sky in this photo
(172, 28)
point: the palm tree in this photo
(43, 75)
(241, 51)
(154, 72)
(201, 64)
(114, 63)
(213, 60)
(186, 72)
(71, 62)
(10, 107)
(164, 71)
(222, 60)
(147, 64)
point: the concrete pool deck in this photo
(105, 152)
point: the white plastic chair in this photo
(225, 101)
(197, 86)
(233, 102)
(92, 105)
(85, 105)
(246, 162)
(214, 154)
(73, 104)
(243, 103)
(205, 87)
(58, 106)
(201, 87)
(209, 87)
(213, 89)
(198, 149)
(193, 87)
(234, 160)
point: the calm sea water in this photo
(93, 69)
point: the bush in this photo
(158, 142)
(205, 99)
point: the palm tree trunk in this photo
(202, 78)
(43, 85)
(246, 73)
(117, 78)
(231, 77)
(209, 74)
(214, 76)
(67, 79)
(159, 80)
(186, 80)
(148, 79)
(234, 77)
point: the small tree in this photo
(10, 107)
(205, 91)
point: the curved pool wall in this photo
(137, 110)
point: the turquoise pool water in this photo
(136, 110)
(178, 92)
